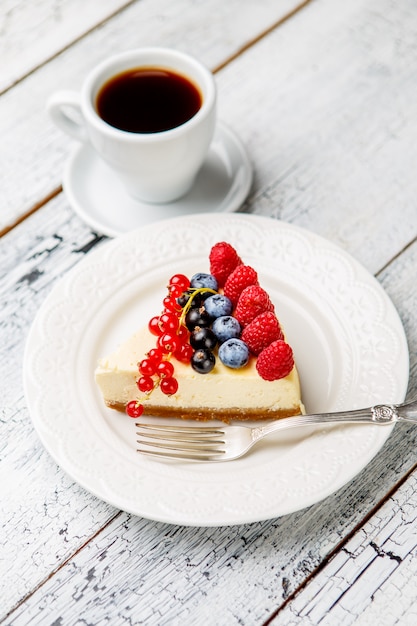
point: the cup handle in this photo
(64, 107)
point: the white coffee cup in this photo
(155, 167)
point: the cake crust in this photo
(207, 414)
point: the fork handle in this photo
(378, 414)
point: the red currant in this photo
(168, 322)
(145, 384)
(175, 291)
(134, 409)
(185, 353)
(180, 280)
(171, 305)
(155, 355)
(165, 369)
(147, 367)
(169, 342)
(183, 334)
(169, 386)
(154, 325)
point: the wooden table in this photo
(323, 95)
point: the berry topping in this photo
(252, 302)
(207, 281)
(226, 327)
(194, 298)
(156, 369)
(169, 342)
(171, 305)
(217, 305)
(184, 353)
(203, 338)
(145, 384)
(200, 297)
(223, 260)
(153, 325)
(168, 322)
(197, 317)
(165, 369)
(147, 367)
(169, 386)
(180, 281)
(241, 277)
(134, 409)
(183, 334)
(155, 354)
(184, 297)
(262, 331)
(276, 361)
(203, 361)
(234, 353)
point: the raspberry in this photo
(241, 277)
(223, 260)
(252, 302)
(261, 332)
(276, 361)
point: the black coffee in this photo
(148, 100)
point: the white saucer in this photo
(99, 198)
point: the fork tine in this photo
(172, 428)
(180, 438)
(199, 443)
(179, 455)
(190, 435)
(179, 444)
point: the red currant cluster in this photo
(156, 369)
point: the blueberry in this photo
(200, 280)
(218, 305)
(203, 338)
(234, 353)
(203, 361)
(226, 327)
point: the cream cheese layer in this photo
(223, 389)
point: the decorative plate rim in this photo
(346, 305)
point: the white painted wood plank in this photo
(44, 517)
(186, 575)
(181, 572)
(336, 168)
(33, 151)
(32, 32)
(330, 120)
(371, 580)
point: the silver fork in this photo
(224, 443)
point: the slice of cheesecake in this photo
(217, 351)
(223, 393)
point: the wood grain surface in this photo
(44, 28)
(325, 104)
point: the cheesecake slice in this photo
(224, 393)
(217, 351)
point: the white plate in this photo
(99, 198)
(348, 342)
